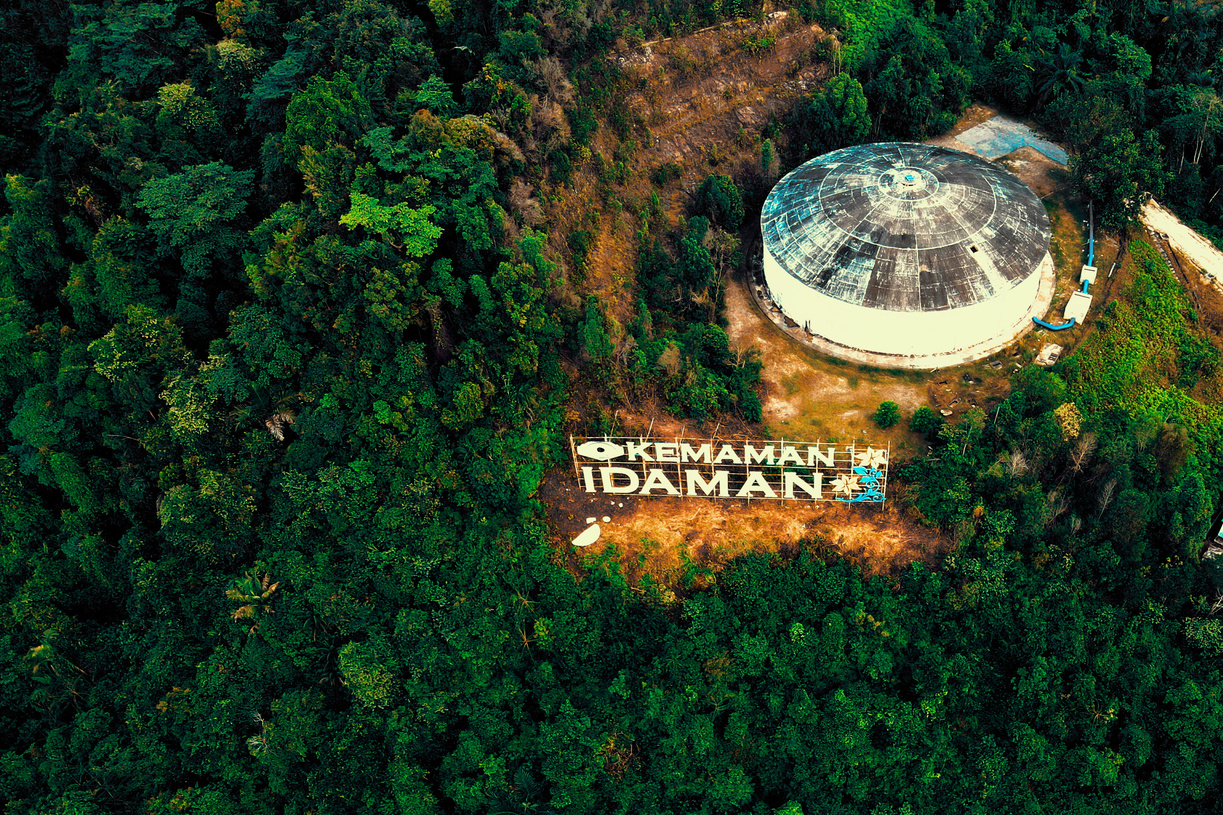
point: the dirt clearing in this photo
(807, 396)
(669, 538)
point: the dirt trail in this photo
(1190, 244)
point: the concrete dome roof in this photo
(905, 227)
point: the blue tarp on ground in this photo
(1000, 136)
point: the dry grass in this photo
(702, 100)
(1067, 240)
(670, 539)
(810, 397)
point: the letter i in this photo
(588, 477)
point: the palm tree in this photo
(57, 674)
(520, 799)
(1059, 71)
(254, 594)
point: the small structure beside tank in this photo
(1049, 354)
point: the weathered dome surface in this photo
(905, 228)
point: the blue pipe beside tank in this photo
(1063, 326)
(1086, 286)
(1091, 255)
(1091, 236)
(1052, 327)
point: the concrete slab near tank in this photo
(1077, 308)
(1002, 135)
(1050, 353)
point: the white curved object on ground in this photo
(589, 536)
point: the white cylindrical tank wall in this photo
(903, 333)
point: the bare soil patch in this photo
(1189, 245)
(666, 537)
(700, 90)
(975, 115)
(810, 397)
(1044, 175)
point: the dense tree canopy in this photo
(283, 354)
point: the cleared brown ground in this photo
(809, 396)
(663, 536)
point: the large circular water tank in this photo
(911, 250)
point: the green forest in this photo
(286, 348)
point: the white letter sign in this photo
(747, 469)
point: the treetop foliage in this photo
(283, 354)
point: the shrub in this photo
(581, 241)
(720, 200)
(666, 172)
(888, 414)
(926, 422)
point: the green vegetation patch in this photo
(283, 341)
(864, 24)
(1147, 353)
